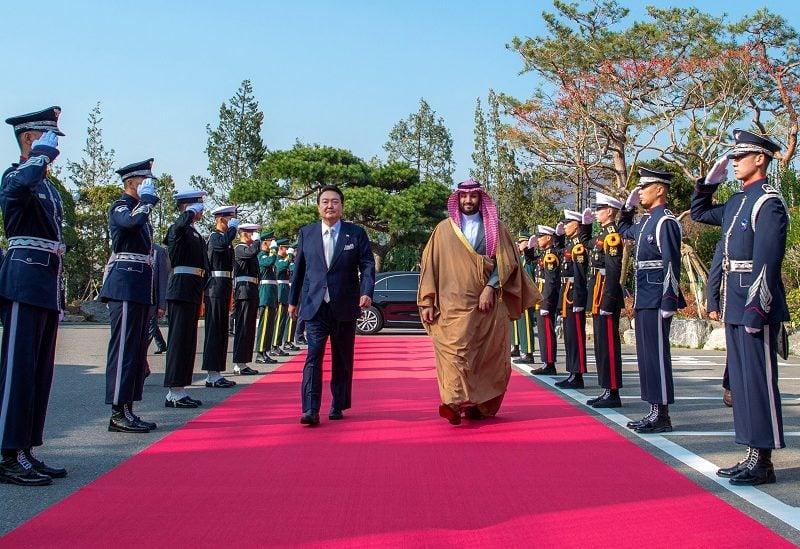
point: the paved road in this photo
(76, 435)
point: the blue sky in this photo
(335, 73)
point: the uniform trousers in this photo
(266, 327)
(524, 333)
(181, 342)
(342, 334)
(281, 318)
(546, 327)
(575, 341)
(26, 372)
(215, 346)
(608, 350)
(753, 372)
(126, 366)
(245, 337)
(654, 357)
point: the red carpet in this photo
(247, 474)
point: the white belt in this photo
(568, 279)
(221, 274)
(250, 279)
(136, 258)
(271, 282)
(36, 243)
(595, 270)
(196, 271)
(735, 266)
(284, 282)
(651, 264)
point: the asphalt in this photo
(76, 434)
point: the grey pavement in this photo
(77, 438)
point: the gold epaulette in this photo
(551, 259)
(612, 244)
(578, 249)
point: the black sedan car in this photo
(394, 303)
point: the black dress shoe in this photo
(335, 414)
(660, 424)
(302, 341)
(598, 397)
(246, 371)
(277, 351)
(450, 414)
(754, 477)
(120, 423)
(185, 402)
(18, 470)
(263, 358)
(515, 352)
(525, 359)
(221, 383)
(728, 472)
(608, 401)
(291, 347)
(547, 370)
(43, 468)
(198, 402)
(310, 418)
(160, 351)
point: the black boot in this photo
(16, 469)
(611, 400)
(548, 369)
(728, 472)
(515, 351)
(646, 419)
(598, 397)
(574, 381)
(660, 424)
(263, 358)
(43, 468)
(527, 358)
(759, 469)
(567, 379)
(122, 421)
(149, 424)
(277, 351)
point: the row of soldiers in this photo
(576, 273)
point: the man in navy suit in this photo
(330, 256)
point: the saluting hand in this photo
(719, 172)
(633, 199)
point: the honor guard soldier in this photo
(657, 261)
(218, 292)
(548, 278)
(291, 328)
(606, 300)
(128, 290)
(713, 287)
(522, 330)
(268, 298)
(187, 254)
(31, 297)
(572, 300)
(753, 305)
(283, 273)
(245, 295)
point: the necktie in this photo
(329, 247)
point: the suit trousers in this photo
(215, 346)
(608, 350)
(342, 334)
(126, 366)
(575, 341)
(181, 342)
(546, 327)
(26, 372)
(154, 331)
(245, 311)
(654, 357)
(753, 373)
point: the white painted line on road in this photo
(780, 510)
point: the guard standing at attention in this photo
(606, 300)
(245, 295)
(187, 254)
(31, 297)
(522, 330)
(657, 261)
(128, 289)
(218, 292)
(283, 273)
(753, 305)
(549, 281)
(268, 299)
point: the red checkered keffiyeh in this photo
(488, 213)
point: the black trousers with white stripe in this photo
(26, 373)
(126, 366)
(753, 373)
(654, 357)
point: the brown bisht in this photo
(473, 348)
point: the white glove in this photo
(588, 216)
(750, 330)
(233, 223)
(605, 313)
(290, 251)
(274, 244)
(577, 309)
(147, 187)
(47, 139)
(667, 314)
(544, 312)
(533, 242)
(196, 208)
(560, 228)
(633, 199)
(719, 172)
(256, 236)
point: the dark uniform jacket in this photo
(548, 277)
(574, 267)
(605, 271)
(754, 224)
(268, 285)
(283, 274)
(32, 270)
(186, 249)
(129, 277)
(246, 265)
(657, 258)
(219, 251)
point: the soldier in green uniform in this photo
(283, 275)
(522, 330)
(268, 299)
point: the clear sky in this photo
(338, 73)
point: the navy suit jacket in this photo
(351, 255)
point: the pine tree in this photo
(482, 155)
(97, 166)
